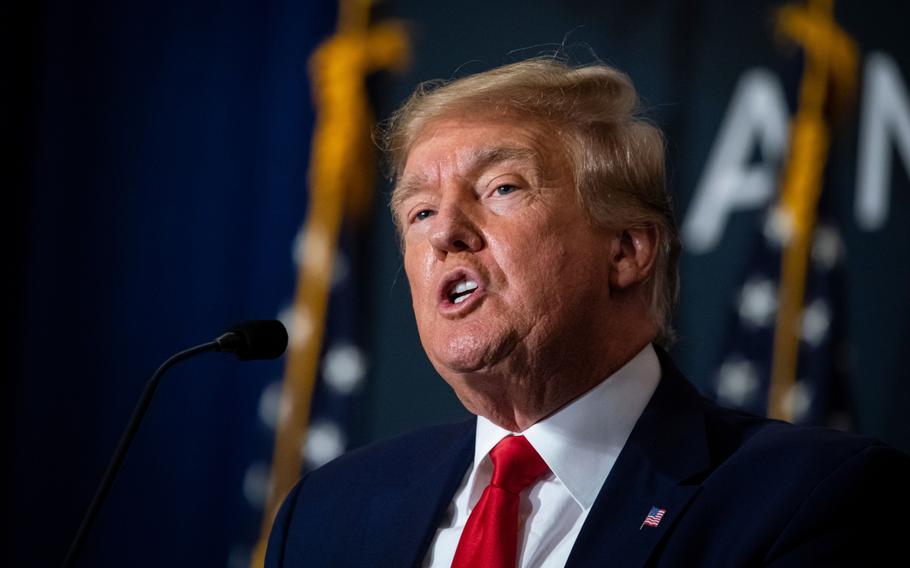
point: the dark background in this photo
(157, 180)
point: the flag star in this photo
(737, 382)
(324, 442)
(312, 250)
(341, 268)
(344, 367)
(758, 302)
(799, 400)
(827, 247)
(816, 320)
(273, 408)
(299, 324)
(256, 484)
(778, 227)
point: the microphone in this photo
(257, 339)
(249, 340)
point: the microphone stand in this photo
(117, 460)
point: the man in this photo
(540, 248)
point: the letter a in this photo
(756, 115)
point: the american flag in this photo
(743, 376)
(786, 353)
(317, 406)
(338, 399)
(653, 518)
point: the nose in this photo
(454, 230)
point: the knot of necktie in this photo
(516, 464)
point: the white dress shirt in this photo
(580, 444)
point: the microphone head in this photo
(255, 339)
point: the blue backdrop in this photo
(166, 184)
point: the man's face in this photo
(506, 271)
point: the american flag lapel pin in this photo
(653, 518)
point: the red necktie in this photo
(490, 537)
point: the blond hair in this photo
(617, 157)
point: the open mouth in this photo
(461, 290)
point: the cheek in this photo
(417, 269)
(423, 292)
(415, 278)
(537, 258)
(552, 274)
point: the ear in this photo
(633, 257)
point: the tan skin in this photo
(558, 305)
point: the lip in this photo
(451, 310)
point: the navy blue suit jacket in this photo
(738, 490)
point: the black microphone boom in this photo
(257, 339)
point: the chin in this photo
(470, 353)
(459, 362)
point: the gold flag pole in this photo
(830, 61)
(340, 181)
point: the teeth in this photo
(462, 290)
(464, 286)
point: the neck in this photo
(515, 399)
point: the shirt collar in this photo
(581, 442)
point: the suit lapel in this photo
(659, 466)
(408, 513)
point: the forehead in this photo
(466, 140)
(460, 147)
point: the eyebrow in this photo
(478, 161)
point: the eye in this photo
(423, 214)
(505, 189)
